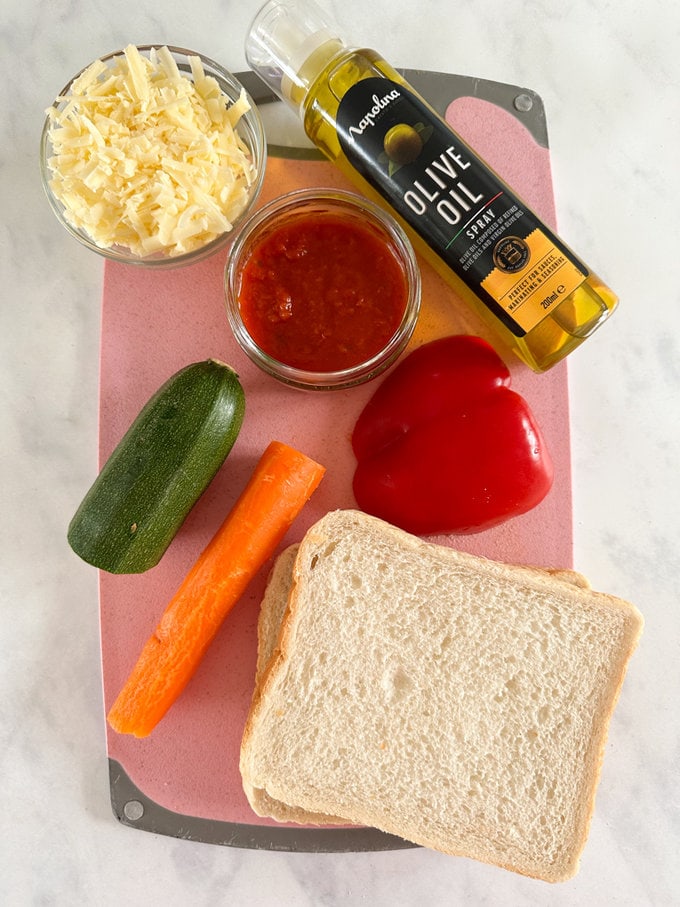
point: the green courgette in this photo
(159, 469)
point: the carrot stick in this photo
(283, 480)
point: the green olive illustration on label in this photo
(403, 144)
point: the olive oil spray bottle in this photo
(519, 276)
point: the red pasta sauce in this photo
(322, 292)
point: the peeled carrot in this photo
(282, 482)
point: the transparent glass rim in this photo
(250, 128)
(288, 205)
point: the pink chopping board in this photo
(184, 780)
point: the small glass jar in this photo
(249, 129)
(322, 206)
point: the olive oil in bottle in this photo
(518, 275)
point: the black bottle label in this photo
(484, 233)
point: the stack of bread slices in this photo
(459, 703)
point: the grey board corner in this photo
(133, 808)
(439, 89)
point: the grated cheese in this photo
(146, 158)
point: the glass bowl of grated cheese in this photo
(153, 155)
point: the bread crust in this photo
(310, 808)
(272, 616)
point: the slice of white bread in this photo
(272, 610)
(459, 703)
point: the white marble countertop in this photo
(609, 75)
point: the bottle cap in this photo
(283, 37)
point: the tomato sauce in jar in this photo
(322, 292)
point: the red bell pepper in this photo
(444, 445)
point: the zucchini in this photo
(159, 469)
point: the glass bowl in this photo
(249, 130)
(356, 310)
